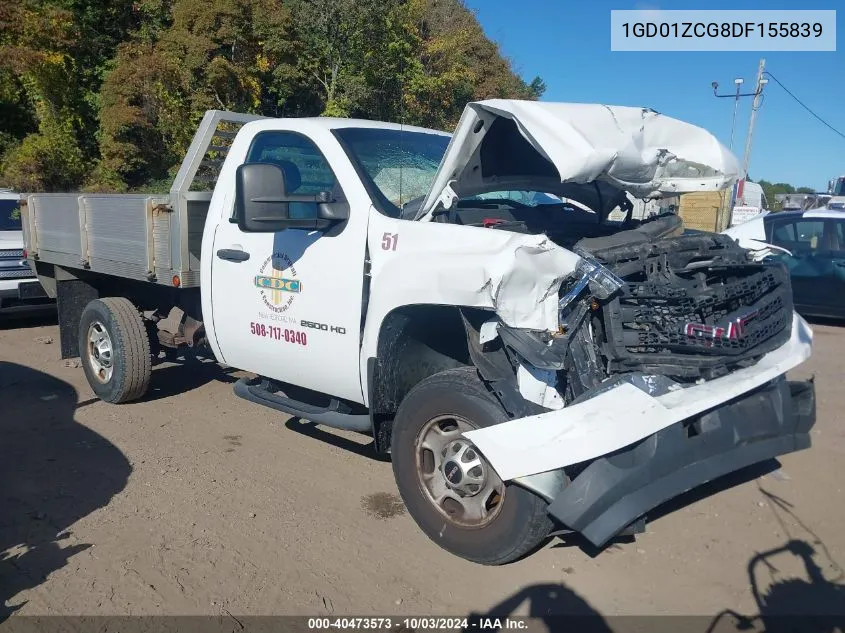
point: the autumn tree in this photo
(107, 93)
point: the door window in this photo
(809, 233)
(306, 170)
(783, 234)
(839, 233)
(10, 215)
(800, 237)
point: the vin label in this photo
(746, 30)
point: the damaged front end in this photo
(666, 371)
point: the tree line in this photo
(104, 95)
(770, 190)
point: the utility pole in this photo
(723, 216)
(738, 83)
(754, 107)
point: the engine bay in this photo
(692, 305)
(564, 223)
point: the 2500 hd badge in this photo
(337, 329)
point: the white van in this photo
(749, 205)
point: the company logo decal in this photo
(277, 282)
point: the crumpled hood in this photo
(502, 143)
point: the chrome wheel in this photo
(100, 352)
(453, 474)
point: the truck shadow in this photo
(37, 316)
(171, 378)
(53, 472)
(365, 446)
(812, 601)
(551, 607)
(814, 604)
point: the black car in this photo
(815, 240)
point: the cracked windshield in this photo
(401, 165)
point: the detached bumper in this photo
(617, 489)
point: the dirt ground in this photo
(196, 502)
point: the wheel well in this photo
(414, 343)
(74, 289)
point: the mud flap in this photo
(615, 490)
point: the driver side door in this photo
(287, 305)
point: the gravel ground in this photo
(195, 502)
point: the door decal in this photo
(277, 282)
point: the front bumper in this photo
(617, 489)
(17, 292)
(621, 414)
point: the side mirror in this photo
(263, 205)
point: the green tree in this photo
(209, 56)
(34, 53)
(107, 92)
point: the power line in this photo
(804, 105)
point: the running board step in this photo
(336, 415)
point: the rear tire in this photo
(115, 349)
(515, 525)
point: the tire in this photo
(519, 522)
(116, 326)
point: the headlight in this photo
(602, 282)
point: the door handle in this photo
(232, 255)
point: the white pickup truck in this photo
(19, 288)
(530, 366)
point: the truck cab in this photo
(530, 363)
(299, 289)
(836, 188)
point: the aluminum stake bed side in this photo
(529, 364)
(144, 237)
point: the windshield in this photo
(839, 187)
(10, 215)
(397, 166)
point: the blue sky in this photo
(567, 43)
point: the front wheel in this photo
(450, 490)
(115, 349)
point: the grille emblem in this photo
(734, 330)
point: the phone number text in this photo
(278, 333)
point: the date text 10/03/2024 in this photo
(419, 624)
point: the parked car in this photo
(813, 249)
(19, 287)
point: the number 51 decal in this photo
(389, 241)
